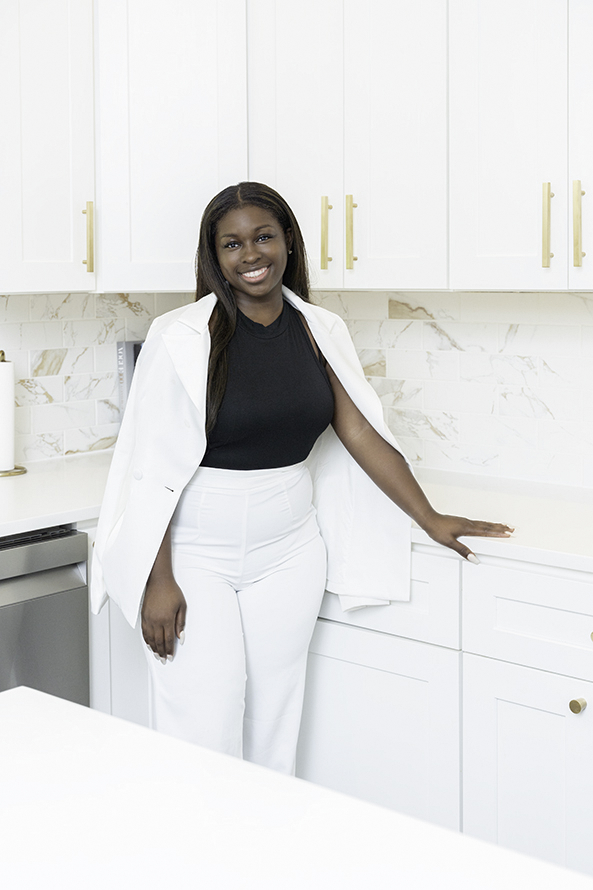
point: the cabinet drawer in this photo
(432, 613)
(529, 617)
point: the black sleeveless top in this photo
(278, 398)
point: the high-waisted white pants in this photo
(251, 563)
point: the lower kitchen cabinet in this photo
(527, 765)
(381, 721)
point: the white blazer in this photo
(162, 441)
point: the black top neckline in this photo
(262, 331)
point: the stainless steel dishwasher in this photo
(44, 622)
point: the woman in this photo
(253, 471)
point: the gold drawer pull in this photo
(325, 208)
(577, 705)
(350, 258)
(90, 237)
(577, 223)
(547, 195)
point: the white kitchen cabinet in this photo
(381, 716)
(580, 142)
(47, 149)
(172, 132)
(527, 768)
(381, 721)
(350, 99)
(508, 135)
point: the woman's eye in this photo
(232, 244)
(265, 237)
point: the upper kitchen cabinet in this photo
(347, 120)
(47, 153)
(508, 141)
(172, 131)
(580, 145)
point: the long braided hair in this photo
(209, 278)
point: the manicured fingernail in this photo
(474, 559)
(163, 660)
(169, 658)
(148, 646)
(182, 637)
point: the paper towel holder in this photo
(16, 470)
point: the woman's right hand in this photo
(163, 616)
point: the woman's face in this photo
(252, 250)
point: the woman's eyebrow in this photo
(233, 235)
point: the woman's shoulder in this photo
(194, 315)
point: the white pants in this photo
(251, 563)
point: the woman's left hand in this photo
(446, 529)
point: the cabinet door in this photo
(172, 133)
(580, 137)
(508, 135)
(381, 721)
(295, 76)
(46, 155)
(395, 141)
(527, 769)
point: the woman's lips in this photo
(255, 276)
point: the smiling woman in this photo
(269, 477)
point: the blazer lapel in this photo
(188, 344)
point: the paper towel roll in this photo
(6, 416)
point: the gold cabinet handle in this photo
(325, 208)
(577, 223)
(547, 195)
(90, 237)
(577, 705)
(350, 258)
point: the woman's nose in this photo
(251, 252)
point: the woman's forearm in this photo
(162, 569)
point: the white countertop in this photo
(90, 801)
(554, 524)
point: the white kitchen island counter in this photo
(89, 802)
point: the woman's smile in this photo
(256, 275)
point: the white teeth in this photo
(256, 274)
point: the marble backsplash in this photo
(487, 383)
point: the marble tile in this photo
(108, 411)
(496, 307)
(460, 458)
(543, 403)
(125, 305)
(22, 421)
(39, 391)
(12, 339)
(386, 334)
(473, 398)
(565, 437)
(565, 308)
(373, 362)
(95, 438)
(398, 392)
(540, 339)
(90, 386)
(49, 362)
(352, 304)
(167, 302)
(560, 371)
(499, 369)
(587, 341)
(93, 333)
(424, 305)
(463, 337)
(49, 418)
(433, 425)
(539, 465)
(497, 431)
(420, 365)
(39, 447)
(105, 357)
(19, 358)
(137, 328)
(413, 449)
(14, 308)
(57, 307)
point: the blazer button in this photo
(137, 474)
